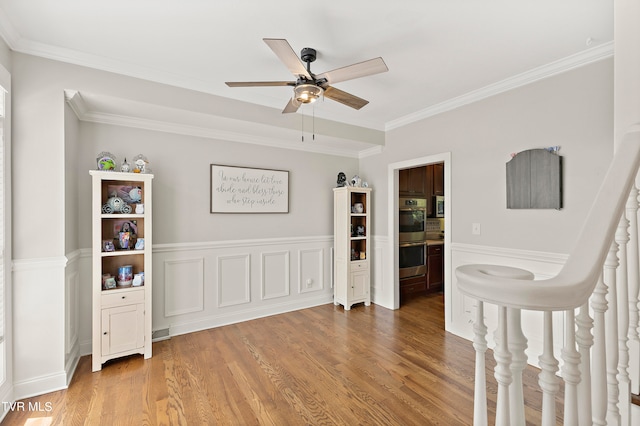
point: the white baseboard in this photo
(72, 363)
(40, 385)
(7, 396)
(246, 315)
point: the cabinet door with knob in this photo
(413, 182)
(435, 267)
(359, 283)
(122, 329)
(438, 179)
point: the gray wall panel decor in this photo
(534, 180)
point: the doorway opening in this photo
(394, 262)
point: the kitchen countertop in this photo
(435, 242)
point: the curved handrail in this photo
(575, 282)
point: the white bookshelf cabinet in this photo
(352, 246)
(121, 250)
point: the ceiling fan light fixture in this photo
(307, 93)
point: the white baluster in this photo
(480, 345)
(502, 369)
(584, 338)
(517, 347)
(570, 371)
(611, 324)
(622, 287)
(599, 367)
(548, 381)
(633, 268)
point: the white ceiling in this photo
(440, 53)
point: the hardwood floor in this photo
(317, 366)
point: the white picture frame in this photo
(249, 190)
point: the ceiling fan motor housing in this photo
(308, 54)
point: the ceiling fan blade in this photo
(284, 51)
(292, 106)
(344, 98)
(361, 69)
(259, 83)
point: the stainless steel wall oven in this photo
(412, 219)
(412, 254)
(412, 259)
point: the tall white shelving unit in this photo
(352, 246)
(121, 314)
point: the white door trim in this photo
(393, 300)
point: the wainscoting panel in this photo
(234, 280)
(202, 285)
(378, 284)
(275, 274)
(311, 270)
(382, 276)
(39, 324)
(71, 312)
(183, 286)
(243, 280)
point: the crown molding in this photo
(577, 60)
(371, 151)
(79, 107)
(77, 104)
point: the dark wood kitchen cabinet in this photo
(438, 178)
(422, 182)
(435, 267)
(412, 182)
(412, 286)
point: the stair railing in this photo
(596, 289)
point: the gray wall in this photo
(573, 110)
(71, 158)
(182, 163)
(181, 166)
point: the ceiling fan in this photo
(308, 87)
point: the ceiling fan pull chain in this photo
(313, 123)
(302, 124)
